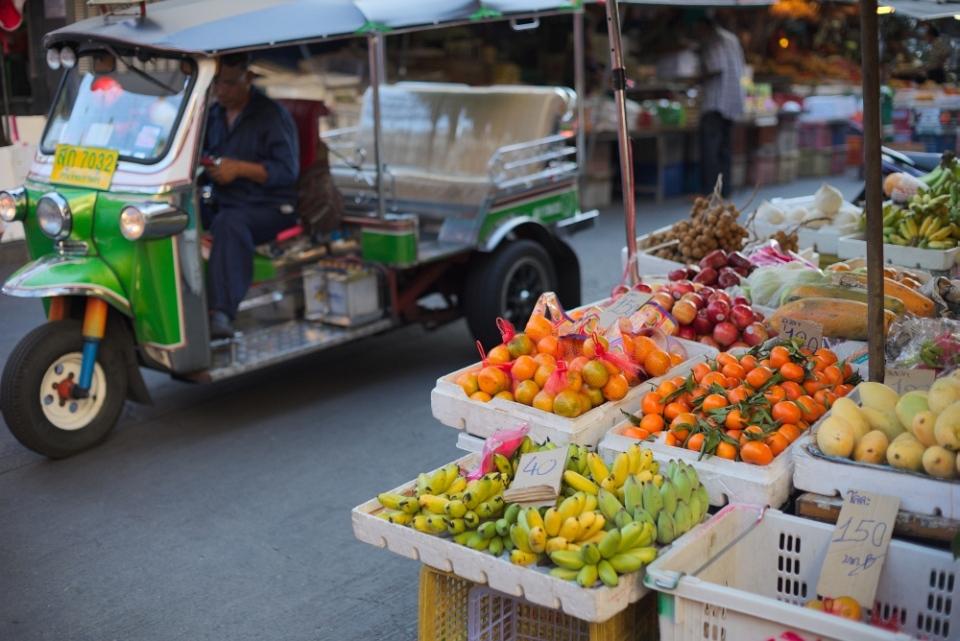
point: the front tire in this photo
(506, 284)
(34, 413)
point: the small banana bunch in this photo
(676, 506)
(925, 223)
(587, 472)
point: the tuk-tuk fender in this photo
(532, 228)
(68, 276)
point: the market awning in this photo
(209, 26)
(923, 9)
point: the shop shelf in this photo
(533, 583)
(763, 566)
(788, 166)
(838, 160)
(788, 137)
(814, 162)
(940, 262)
(814, 135)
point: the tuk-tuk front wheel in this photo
(507, 284)
(35, 393)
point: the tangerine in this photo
(657, 363)
(777, 443)
(590, 346)
(506, 395)
(543, 374)
(578, 363)
(695, 442)
(499, 354)
(543, 401)
(779, 356)
(652, 423)
(468, 382)
(713, 402)
(595, 395)
(758, 376)
(616, 388)
(548, 345)
(524, 368)
(595, 374)
(525, 392)
(567, 404)
(483, 397)
(633, 431)
(756, 452)
(538, 327)
(521, 344)
(726, 450)
(666, 388)
(642, 347)
(651, 403)
(491, 380)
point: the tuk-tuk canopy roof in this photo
(216, 26)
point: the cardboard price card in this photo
(809, 333)
(908, 380)
(538, 478)
(626, 305)
(858, 546)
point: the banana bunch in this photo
(591, 472)
(925, 222)
(492, 536)
(941, 179)
(674, 507)
(613, 552)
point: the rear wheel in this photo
(506, 284)
(35, 388)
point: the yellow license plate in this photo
(84, 166)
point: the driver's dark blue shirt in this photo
(264, 133)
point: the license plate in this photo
(84, 166)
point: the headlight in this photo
(148, 221)
(68, 58)
(53, 214)
(13, 205)
(53, 58)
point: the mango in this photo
(944, 392)
(940, 462)
(947, 428)
(909, 405)
(884, 420)
(878, 396)
(923, 427)
(872, 448)
(849, 411)
(835, 437)
(906, 454)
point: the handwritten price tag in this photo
(538, 478)
(808, 332)
(858, 546)
(626, 305)
(908, 380)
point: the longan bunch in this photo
(712, 225)
(788, 242)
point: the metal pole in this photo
(375, 52)
(870, 50)
(579, 87)
(619, 76)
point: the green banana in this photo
(609, 544)
(487, 530)
(622, 519)
(588, 575)
(564, 573)
(520, 538)
(567, 559)
(653, 499)
(607, 573)
(683, 518)
(626, 563)
(666, 528)
(590, 553)
(496, 546)
(609, 504)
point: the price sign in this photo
(808, 332)
(858, 546)
(626, 305)
(538, 478)
(908, 380)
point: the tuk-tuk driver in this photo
(252, 157)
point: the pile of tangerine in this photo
(746, 408)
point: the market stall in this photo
(741, 428)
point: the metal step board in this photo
(261, 347)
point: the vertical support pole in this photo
(375, 53)
(580, 88)
(58, 309)
(94, 326)
(870, 50)
(619, 77)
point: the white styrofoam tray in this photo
(854, 246)
(726, 481)
(823, 240)
(532, 583)
(453, 408)
(755, 587)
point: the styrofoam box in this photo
(756, 588)
(532, 582)
(833, 476)
(726, 481)
(824, 239)
(453, 408)
(854, 246)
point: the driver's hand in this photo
(226, 172)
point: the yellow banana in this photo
(571, 506)
(534, 519)
(658, 480)
(519, 557)
(646, 554)
(609, 484)
(555, 544)
(520, 538)
(595, 526)
(459, 485)
(564, 573)
(645, 475)
(646, 460)
(633, 456)
(621, 467)
(570, 529)
(433, 504)
(552, 521)
(590, 503)
(567, 559)
(537, 539)
(598, 469)
(580, 482)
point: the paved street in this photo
(222, 512)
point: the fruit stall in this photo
(709, 452)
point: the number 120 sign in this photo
(810, 334)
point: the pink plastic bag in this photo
(503, 441)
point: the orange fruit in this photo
(521, 344)
(657, 363)
(714, 378)
(525, 392)
(652, 423)
(777, 443)
(684, 418)
(633, 431)
(792, 372)
(779, 355)
(714, 402)
(792, 389)
(549, 345)
(574, 381)
(491, 380)
(700, 370)
(642, 347)
(786, 411)
(577, 364)
(666, 388)
(543, 374)
(483, 397)
(590, 346)
(543, 401)
(524, 368)
(595, 394)
(506, 395)
(790, 431)
(734, 420)
(538, 327)
(567, 404)
(586, 401)
(468, 382)
(651, 403)
(734, 370)
(726, 450)
(758, 376)
(499, 354)
(676, 359)
(756, 452)
(595, 374)
(695, 442)
(616, 388)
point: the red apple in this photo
(728, 277)
(742, 315)
(725, 333)
(706, 340)
(707, 276)
(740, 300)
(642, 287)
(678, 274)
(715, 259)
(619, 291)
(701, 324)
(755, 333)
(717, 311)
(720, 295)
(664, 299)
(692, 270)
(684, 311)
(696, 299)
(686, 331)
(681, 287)
(737, 259)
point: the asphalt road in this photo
(222, 511)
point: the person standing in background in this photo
(936, 61)
(722, 100)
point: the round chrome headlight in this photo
(53, 214)
(13, 205)
(132, 223)
(68, 58)
(53, 58)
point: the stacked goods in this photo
(746, 408)
(712, 225)
(918, 431)
(605, 523)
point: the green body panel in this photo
(142, 273)
(55, 275)
(263, 268)
(547, 210)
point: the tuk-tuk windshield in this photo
(113, 102)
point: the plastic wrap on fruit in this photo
(548, 306)
(503, 441)
(655, 316)
(926, 343)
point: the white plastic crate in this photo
(941, 261)
(532, 583)
(453, 408)
(756, 588)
